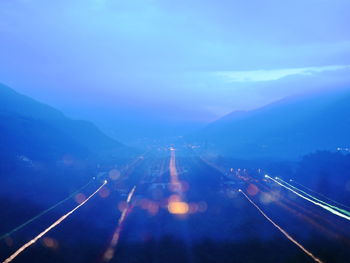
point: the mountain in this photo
(36, 131)
(286, 129)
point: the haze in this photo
(180, 63)
(153, 131)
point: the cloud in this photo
(275, 74)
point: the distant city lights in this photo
(345, 149)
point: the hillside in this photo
(286, 129)
(39, 132)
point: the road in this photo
(214, 223)
(185, 209)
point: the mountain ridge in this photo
(33, 128)
(288, 128)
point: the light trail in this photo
(174, 178)
(109, 253)
(313, 191)
(133, 163)
(44, 212)
(303, 213)
(315, 198)
(130, 195)
(307, 252)
(172, 167)
(56, 223)
(329, 209)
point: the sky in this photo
(118, 61)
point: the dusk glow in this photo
(174, 62)
(195, 113)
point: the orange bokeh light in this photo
(178, 208)
(79, 198)
(104, 192)
(114, 174)
(252, 189)
(122, 206)
(50, 243)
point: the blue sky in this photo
(179, 61)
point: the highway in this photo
(172, 205)
(194, 212)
